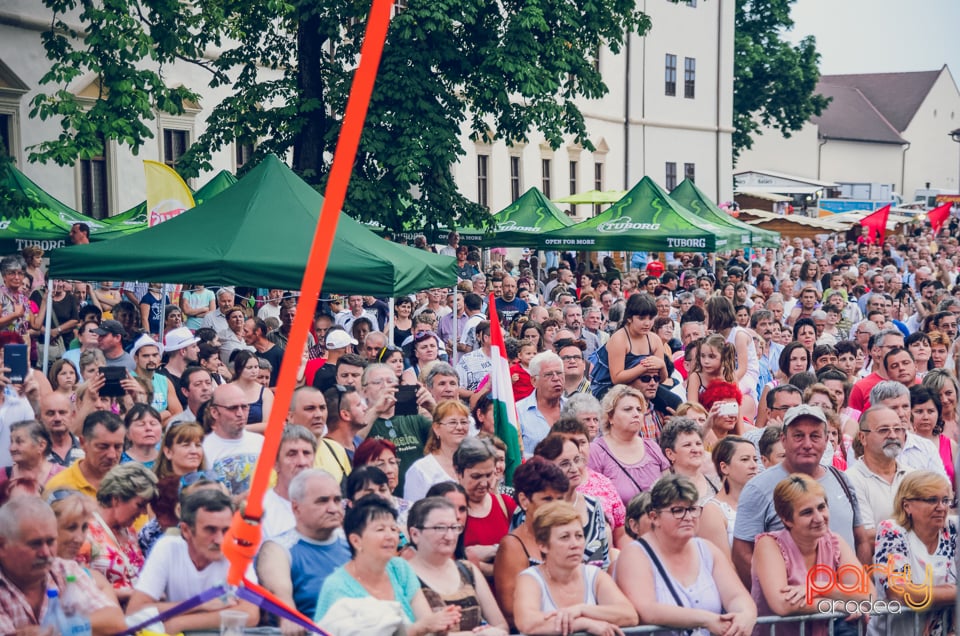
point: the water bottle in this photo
(54, 617)
(76, 622)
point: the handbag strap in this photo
(663, 573)
(622, 467)
(843, 484)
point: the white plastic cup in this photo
(232, 623)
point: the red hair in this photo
(10, 337)
(718, 391)
(371, 449)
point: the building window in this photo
(6, 134)
(244, 153)
(670, 76)
(175, 144)
(595, 55)
(398, 6)
(689, 77)
(514, 178)
(546, 170)
(483, 182)
(573, 185)
(690, 172)
(597, 184)
(94, 186)
(670, 182)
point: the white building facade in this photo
(668, 115)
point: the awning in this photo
(766, 196)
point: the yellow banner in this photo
(167, 194)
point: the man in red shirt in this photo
(880, 343)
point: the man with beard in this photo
(877, 475)
(918, 453)
(146, 355)
(182, 351)
(508, 304)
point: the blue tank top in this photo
(256, 410)
(310, 563)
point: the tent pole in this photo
(47, 320)
(390, 320)
(453, 354)
(163, 311)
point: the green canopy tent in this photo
(691, 197)
(257, 233)
(645, 219)
(48, 222)
(519, 224)
(135, 219)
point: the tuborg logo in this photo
(624, 224)
(510, 226)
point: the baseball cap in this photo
(145, 341)
(339, 339)
(110, 328)
(179, 338)
(803, 410)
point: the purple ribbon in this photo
(180, 608)
(277, 610)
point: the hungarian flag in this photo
(938, 215)
(506, 422)
(876, 224)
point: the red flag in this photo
(938, 215)
(876, 223)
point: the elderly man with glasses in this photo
(541, 409)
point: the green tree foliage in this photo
(774, 81)
(503, 68)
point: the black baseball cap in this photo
(110, 328)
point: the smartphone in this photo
(15, 358)
(728, 408)
(406, 399)
(113, 375)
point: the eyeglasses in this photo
(567, 464)
(552, 375)
(236, 408)
(423, 335)
(933, 501)
(191, 478)
(680, 513)
(646, 379)
(456, 529)
(571, 358)
(393, 461)
(455, 423)
(885, 431)
(61, 494)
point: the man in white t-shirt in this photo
(298, 448)
(229, 449)
(181, 567)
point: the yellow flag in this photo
(167, 194)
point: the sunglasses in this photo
(646, 379)
(61, 494)
(191, 478)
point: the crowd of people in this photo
(705, 441)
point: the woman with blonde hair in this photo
(451, 424)
(695, 411)
(74, 510)
(939, 350)
(783, 559)
(632, 463)
(920, 540)
(563, 595)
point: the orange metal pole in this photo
(243, 539)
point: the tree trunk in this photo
(308, 144)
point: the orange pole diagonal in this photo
(243, 538)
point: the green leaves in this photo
(774, 82)
(450, 67)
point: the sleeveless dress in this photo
(633, 359)
(728, 513)
(547, 604)
(256, 410)
(465, 597)
(703, 594)
(747, 384)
